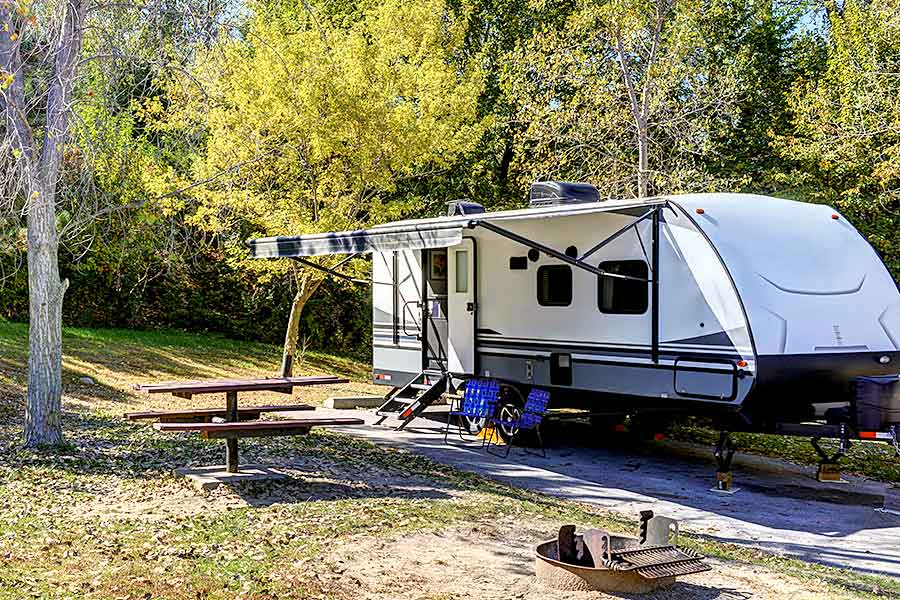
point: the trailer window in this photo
(623, 296)
(554, 285)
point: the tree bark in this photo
(307, 284)
(43, 425)
(643, 139)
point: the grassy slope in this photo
(103, 517)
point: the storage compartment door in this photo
(713, 380)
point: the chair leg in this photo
(447, 428)
(537, 431)
(543, 453)
(509, 444)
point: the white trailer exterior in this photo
(705, 303)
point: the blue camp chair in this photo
(528, 420)
(478, 402)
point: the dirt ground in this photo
(496, 562)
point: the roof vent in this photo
(556, 193)
(457, 208)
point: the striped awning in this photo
(422, 233)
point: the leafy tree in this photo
(629, 94)
(846, 125)
(315, 117)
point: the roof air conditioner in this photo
(556, 193)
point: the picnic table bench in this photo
(206, 415)
(234, 427)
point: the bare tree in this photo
(639, 99)
(43, 167)
(37, 167)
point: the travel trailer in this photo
(746, 308)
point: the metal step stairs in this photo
(408, 402)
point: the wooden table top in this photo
(258, 425)
(238, 385)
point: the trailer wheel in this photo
(512, 401)
(474, 426)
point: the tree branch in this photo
(67, 54)
(12, 91)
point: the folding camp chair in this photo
(478, 403)
(529, 419)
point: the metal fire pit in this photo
(624, 564)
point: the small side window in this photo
(517, 263)
(623, 296)
(554, 285)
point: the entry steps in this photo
(408, 402)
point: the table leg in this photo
(231, 444)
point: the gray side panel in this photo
(408, 360)
(650, 381)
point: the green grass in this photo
(875, 460)
(102, 516)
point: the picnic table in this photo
(232, 422)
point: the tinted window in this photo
(554, 285)
(518, 262)
(623, 296)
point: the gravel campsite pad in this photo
(494, 561)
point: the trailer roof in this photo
(416, 234)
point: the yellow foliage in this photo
(310, 121)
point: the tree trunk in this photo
(306, 287)
(43, 425)
(643, 162)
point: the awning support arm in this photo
(332, 272)
(575, 262)
(654, 286)
(616, 235)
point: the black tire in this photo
(512, 401)
(606, 422)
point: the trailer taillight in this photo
(875, 435)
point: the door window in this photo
(462, 271)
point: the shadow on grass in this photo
(319, 467)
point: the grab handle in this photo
(406, 304)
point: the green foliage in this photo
(325, 114)
(130, 286)
(845, 135)
(568, 87)
(291, 116)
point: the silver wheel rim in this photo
(475, 425)
(509, 412)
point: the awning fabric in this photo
(422, 233)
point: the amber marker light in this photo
(699, 211)
(742, 363)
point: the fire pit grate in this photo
(657, 562)
(598, 560)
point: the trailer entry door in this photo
(461, 293)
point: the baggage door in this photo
(462, 307)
